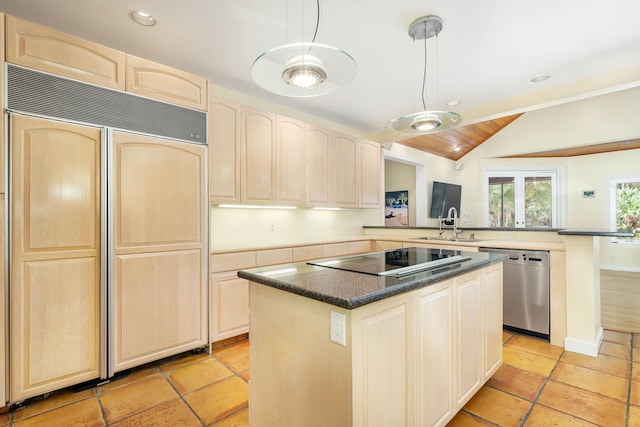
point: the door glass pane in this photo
(628, 207)
(538, 200)
(502, 201)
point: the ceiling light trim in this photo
(142, 18)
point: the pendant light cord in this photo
(317, 21)
(424, 73)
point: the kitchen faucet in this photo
(453, 218)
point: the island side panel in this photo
(290, 357)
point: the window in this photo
(522, 199)
(625, 206)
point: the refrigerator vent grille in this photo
(47, 95)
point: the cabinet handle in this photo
(194, 135)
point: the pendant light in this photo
(304, 69)
(426, 121)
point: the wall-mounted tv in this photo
(443, 197)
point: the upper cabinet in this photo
(369, 163)
(257, 136)
(344, 163)
(318, 163)
(290, 161)
(224, 151)
(158, 81)
(55, 52)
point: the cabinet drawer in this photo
(304, 253)
(335, 249)
(232, 261)
(360, 247)
(273, 256)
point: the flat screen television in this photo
(443, 197)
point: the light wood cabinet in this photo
(224, 151)
(413, 359)
(160, 278)
(257, 136)
(291, 161)
(42, 48)
(344, 171)
(370, 180)
(318, 166)
(3, 306)
(157, 81)
(55, 262)
(383, 245)
(229, 306)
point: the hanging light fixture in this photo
(426, 121)
(304, 69)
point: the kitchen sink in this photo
(447, 239)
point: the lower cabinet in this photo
(413, 359)
(229, 306)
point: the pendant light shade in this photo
(303, 69)
(426, 121)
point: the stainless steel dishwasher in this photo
(526, 290)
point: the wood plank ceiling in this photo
(457, 142)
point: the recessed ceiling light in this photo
(453, 102)
(540, 78)
(142, 18)
(457, 148)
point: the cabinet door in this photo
(229, 314)
(258, 152)
(381, 376)
(318, 166)
(492, 305)
(344, 171)
(434, 354)
(468, 355)
(370, 174)
(224, 151)
(44, 49)
(291, 161)
(55, 259)
(164, 83)
(159, 209)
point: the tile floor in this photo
(538, 385)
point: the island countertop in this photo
(350, 290)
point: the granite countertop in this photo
(596, 232)
(350, 290)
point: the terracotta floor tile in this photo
(636, 340)
(515, 381)
(245, 375)
(541, 416)
(583, 404)
(239, 419)
(535, 345)
(634, 399)
(635, 372)
(85, 413)
(198, 375)
(5, 419)
(505, 336)
(55, 400)
(634, 416)
(498, 407)
(218, 400)
(233, 347)
(588, 379)
(136, 374)
(182, 360)
(463, 419)
(175, 413)
(236, 358)
(528, 361)
(616, 350)
(617, 337)
(137, 397)
(602, 363)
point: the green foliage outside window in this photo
(628, 207)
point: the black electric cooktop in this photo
(396, 262)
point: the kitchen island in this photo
(340, 347)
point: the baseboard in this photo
(585, 347)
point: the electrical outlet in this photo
(338, 328)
